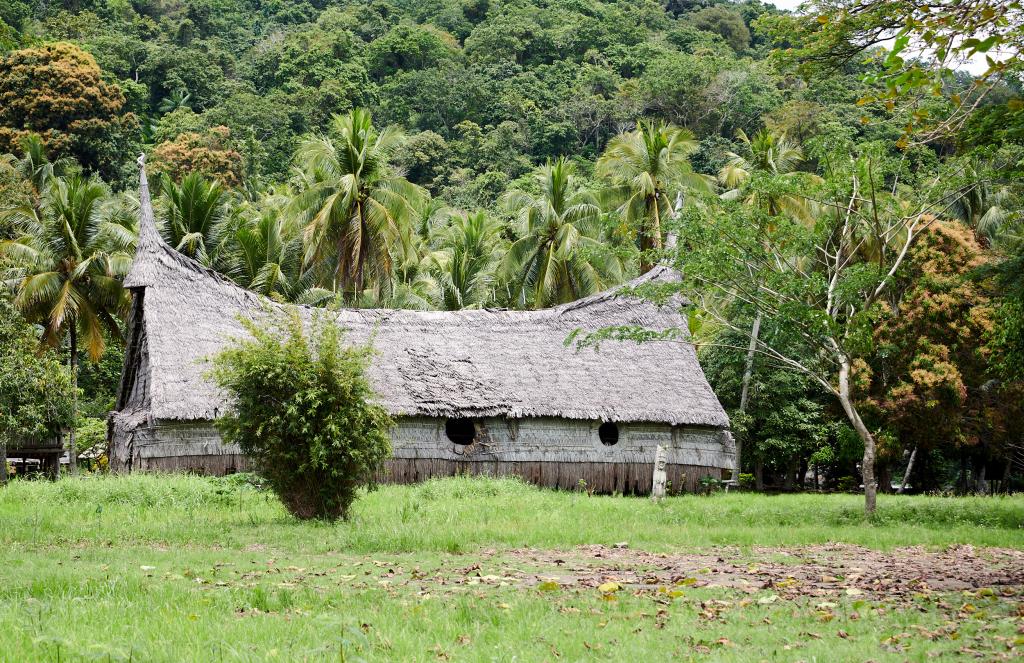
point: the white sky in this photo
(976, 65)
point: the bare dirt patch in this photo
(824, 570)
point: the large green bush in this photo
(304, 413)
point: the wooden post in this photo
(660, 478)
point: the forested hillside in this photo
(465, 153)
(484, 89)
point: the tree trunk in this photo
(788, 481)
(962, 483)
(906, 475)
(650, 238)
(748, 372)
(72, 447)
(759, 475)
(657, 224)
(3, 462)
(883, 477)
(980, 483)
(868, 462)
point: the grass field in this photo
(168, 568)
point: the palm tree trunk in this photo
(338, 275)
(650, 238)
(748, 372)
(72, 447)
(657, 223)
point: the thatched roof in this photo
(472, 363)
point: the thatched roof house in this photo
(477, 390)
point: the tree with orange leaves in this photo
(57, 91)
(208, 154)
(928, 381)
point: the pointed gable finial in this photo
(148, 234)
(147, 249)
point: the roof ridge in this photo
(659, 273)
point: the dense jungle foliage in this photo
(855, 210)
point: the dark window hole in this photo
(460, 431)
(609, 433)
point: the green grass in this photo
(170, 568)
(463, 514)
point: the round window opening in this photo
(460, 431)
(609, 434)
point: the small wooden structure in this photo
(476, 391)
(36, 456)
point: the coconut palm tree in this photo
(35, 167)
(266, 249)
(648, 168)
(558, 258)
(429, 213)
(179, 98)
(986, 208)
(772, 155)
(197, 213)
(352, 205)
(413, 285)
(418, 291)
(71, 254)
(466, 262)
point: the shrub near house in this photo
(304, 414)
